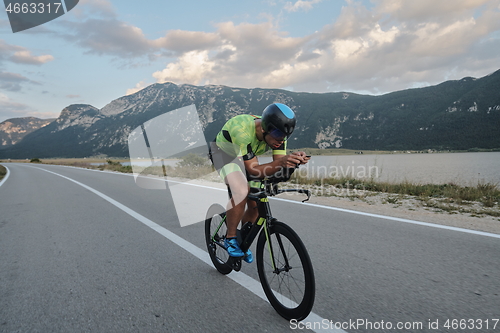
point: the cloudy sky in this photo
(102, 49)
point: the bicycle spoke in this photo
(215, 233)
(286, 274)
(285, 282)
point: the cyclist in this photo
(234, 152)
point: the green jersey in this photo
(237, 138)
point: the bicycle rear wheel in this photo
(286, 272)
(215, 232)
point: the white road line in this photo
(6, 176)
(242, 279)
(439, 226)
(397, 219)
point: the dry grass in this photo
(3, 171)
(449, 197)
(445, 197)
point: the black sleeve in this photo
(250, 154)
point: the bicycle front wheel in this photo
(215, 233)
(286, 272)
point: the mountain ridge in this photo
(455, 114)
(13, 130)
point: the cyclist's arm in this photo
(268, 169)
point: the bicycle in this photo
(283, 263)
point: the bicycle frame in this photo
(264, 219)
(285, 271)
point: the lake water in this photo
(438, 168)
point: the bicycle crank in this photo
(234, 263)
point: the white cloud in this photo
(94, 7)
(180, 41)
(380, 49)
(25, 57)
(192, 67)
(258, 47)
(423, 10)
(12, 77)
(139, 86)
(246, 56)
(13, 81)
(109, 37)
(22, 55)
(11, 109)
(17, 54)
(300, 5)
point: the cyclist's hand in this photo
(302, 157)
(290, 161)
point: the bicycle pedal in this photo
(237, 266)
(235, 263)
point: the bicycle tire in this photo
(216, 250)
(290, 288)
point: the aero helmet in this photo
(278, 120)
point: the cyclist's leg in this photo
(250, 215)
(251, 212)
(230, 169)
(236, 206)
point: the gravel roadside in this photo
(466, 215)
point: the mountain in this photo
(459, 114)
(14, 130)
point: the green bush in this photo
(110, 162)
(115, 166)
(35, 160)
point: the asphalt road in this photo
(85, 251)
